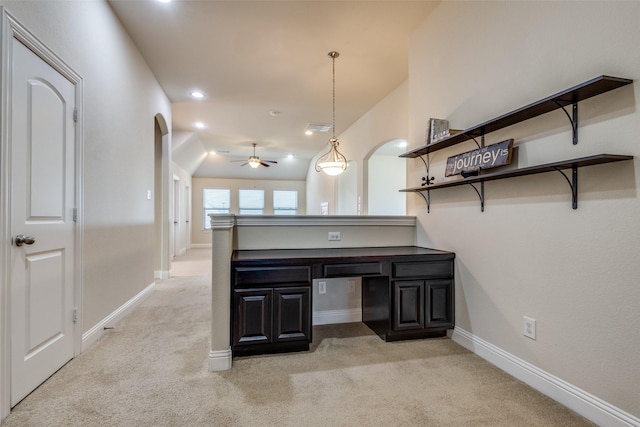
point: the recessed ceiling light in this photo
(197, 94)
(212, 152)
(199, 125)
(274, 113)
(290, 156)
(164, 1)
(308, 132)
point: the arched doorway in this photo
(162, 258)
(386, 173)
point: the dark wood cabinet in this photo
(416, 302)
(407, 292)
(439, 304)
(292, 314)
(252, 316)
(408, 303)
(271, 308)
(265, 317)
(422, 304)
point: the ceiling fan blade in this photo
(244, 164)
(264, 164)
(270, 161)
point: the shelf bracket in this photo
(573, 119)
(480, 194)
(475, 140)
(573, 184)
(427, 199)
(426, 180)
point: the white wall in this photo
(347, 190)
(575, 271)
(200, 236)
(386, 175)
(121, 99)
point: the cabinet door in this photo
(252, 316)
(408, 305)
(291, 314)
(439, 303)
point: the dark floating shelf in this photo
(531, 170)
(571, 96)
(572, 164)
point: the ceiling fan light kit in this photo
(254, 161)
(333, 162)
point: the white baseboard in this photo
(329, 317)
(162, 274)
(219, 360)
(93, 334)
(574, 398)
(200, 246)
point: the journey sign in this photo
(488, 157)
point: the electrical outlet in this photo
(334, 235)
(322, 287)
(351, 284)
(529, 327)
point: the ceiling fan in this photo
(254, 161)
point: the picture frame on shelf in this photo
(436, 129)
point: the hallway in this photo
(151, 370)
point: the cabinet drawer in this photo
(265, 275)
(423, 269)
(352, 269)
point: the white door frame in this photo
(10, 29)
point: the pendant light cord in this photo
(333, 61)
(333, 54)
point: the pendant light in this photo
(333, 162)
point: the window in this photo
(215, 200)
(285, 202)
(251, 202)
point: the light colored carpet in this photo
(151, 370)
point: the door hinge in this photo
(75, 315)
(75, 114)
(75, 214)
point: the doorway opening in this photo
(386, 174)
(162, 258)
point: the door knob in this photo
(24, 240)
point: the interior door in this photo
(42, 200)
(176, 219)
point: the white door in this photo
(176, 218)
(42, 200)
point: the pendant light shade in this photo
(333, 162)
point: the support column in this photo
(222, 247)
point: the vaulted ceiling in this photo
(265, 73)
